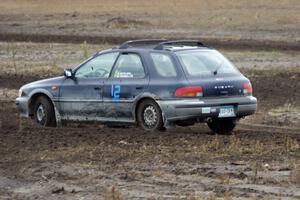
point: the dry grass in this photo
(259, 148)
(43, 58)
(290, 144)
(284, 109)
(173, 13)
(238, 147)
(113, 194)
(272, 53)
(227, 195)
(213, 145)
(12, 51)
(85, 50)
(234, 145)
(295, 176)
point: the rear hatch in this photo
(210, 70)
(217, 86)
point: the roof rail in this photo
(197, 43)
(131, 43)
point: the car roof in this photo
(162, 45)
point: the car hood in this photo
(45, 82)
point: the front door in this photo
(127, 80)
(81, 97)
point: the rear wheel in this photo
(44, 112)
(222, 126)
(149, 116)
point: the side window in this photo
(163, 65)
(129, 65)
(98, 67)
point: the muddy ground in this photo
(96, 162)
(91, 161)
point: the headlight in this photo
(20, 93)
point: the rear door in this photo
(129, 78)
(81, 97)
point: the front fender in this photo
(45, 92)
(41, 91)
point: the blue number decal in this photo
(115, 92)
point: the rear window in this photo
(163, 65)
(203, 63)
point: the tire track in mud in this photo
(100, 39)
(267, 128)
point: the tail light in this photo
(195, 91)
(247, 89)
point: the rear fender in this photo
(139, 98)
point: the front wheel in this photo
(149, 116)
(44, 112)
(222, 126)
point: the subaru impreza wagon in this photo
(155, 84)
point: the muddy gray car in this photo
(153, 83)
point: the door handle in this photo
(97, 88)
(139, 87)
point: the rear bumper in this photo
(22, 106)
(182, 109)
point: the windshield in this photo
(203, 63)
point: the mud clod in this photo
(58, 190)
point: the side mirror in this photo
(68, 73)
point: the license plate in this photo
(227, 111)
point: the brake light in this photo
(247, 88)
(195, 91)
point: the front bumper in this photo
(181, 109)
(22, 106)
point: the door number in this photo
(115, 92)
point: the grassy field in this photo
(259, 20)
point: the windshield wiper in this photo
(215, 72)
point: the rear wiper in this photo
(216, 70)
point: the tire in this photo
(149, 116)
(222, 126)
(44, 112)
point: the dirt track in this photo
(117, 39)
(89, 160)
(92, 161)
